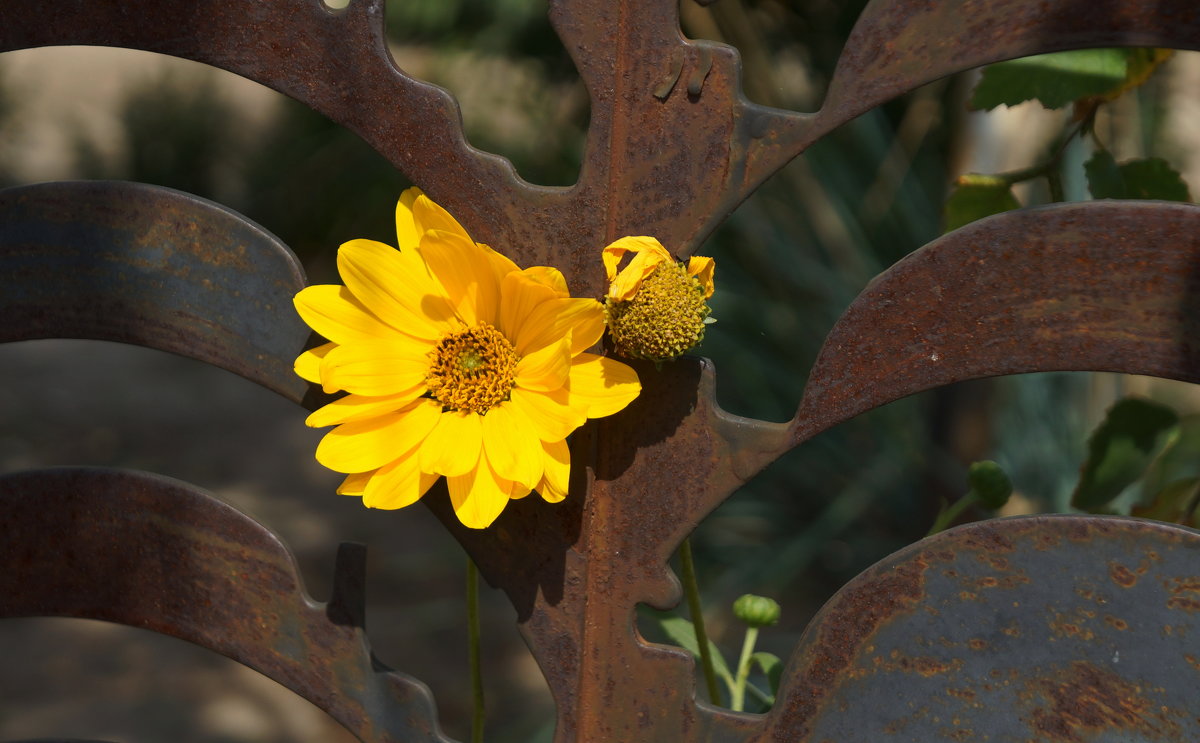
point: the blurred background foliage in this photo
(789, 260)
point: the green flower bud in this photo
(992, 487)
(756, 611)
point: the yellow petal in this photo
(428, 215)
(407, 236)
(308, 364)
(355, 483)
(501, 264)
(582, 319)
(601, 386)
(453, 446)
(556, 462)
(396, 287)
(396, 485)
(478, 496)
(546, 369)
(549, 277)
(549, 412)
(396, 366)
(466, 274)
(511, 445)
(367, 445)
(356, 408)
(648, 254)
(520, 295)
(332, 311)
(703, 268)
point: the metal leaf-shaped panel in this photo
(1101, 286)
(154, 267)
(153, 553)
(1047, 628)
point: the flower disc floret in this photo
(663, 320)
(455, 363)
(655, 308)
(472, 369)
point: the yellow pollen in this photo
(472, 369)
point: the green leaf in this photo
(683, 633)
(1056, 80)
(1120, 450)
(1152, 178)
(977, 196)
(772, 668)
(1174, 504)
(1180, 458)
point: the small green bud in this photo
(992, 487)
(756, 611)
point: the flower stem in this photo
(737, 700)
(947, 516)
(692, 589)
(473, 652)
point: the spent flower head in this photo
(457, 363)
(655, 308)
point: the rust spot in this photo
(1185, 604)
(976, 643)
(1121, 575)
(1192, 661)
(1116, 623)
(1083, 699)
(961, 693)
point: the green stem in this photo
(473, 652)
(737, 700)
(692, 590)
(948, 515)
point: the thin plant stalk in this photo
(737, 696)
(477, 709)
(692, 590)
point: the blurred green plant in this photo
(1086, 80)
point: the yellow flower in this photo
(456, 363)
(655, 308)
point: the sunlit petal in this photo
(512, 446)
(453, 447)
(308, 364)
(396, 288)
(396, 485)
(465, 272)
(556, 463)
(478, 496)
(356, 407)
(386, 367)
(366, 445)
(546, 369)
(648, 254)
(600, 385)
(703, 268)
(582, 319)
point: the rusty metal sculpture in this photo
(950, 639)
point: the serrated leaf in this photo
(1056, 80)
(772, 668)
(683, 633)
(1174, 504)
(976, 197)
(1120, 450)
(1152, 178)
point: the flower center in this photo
(472, 369)
(663, 320)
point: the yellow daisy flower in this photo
(655, 308)
(456, 363)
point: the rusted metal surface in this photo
(1047, 629)
(1101, 286)
(672, 148)
(157, 554)
(151, 266)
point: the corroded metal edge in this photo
(157, 554)
(151, 266)
(1096, 286)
